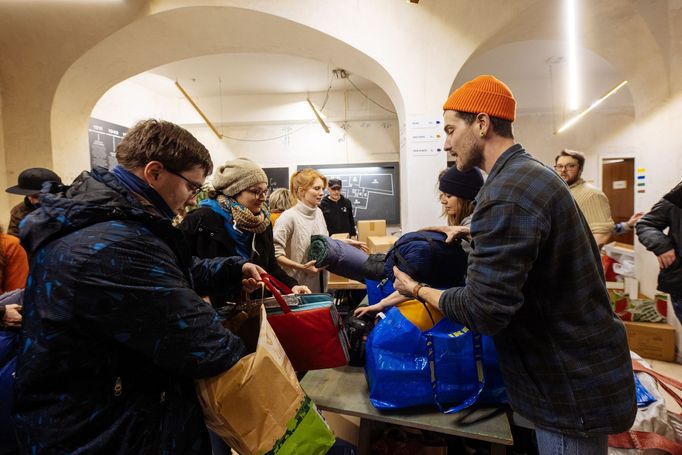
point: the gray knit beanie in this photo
(235, 176)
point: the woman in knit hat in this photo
(457, 193)
(235, 221)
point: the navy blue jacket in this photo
(535, 283)
(113, 333)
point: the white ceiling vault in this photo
(249, 74)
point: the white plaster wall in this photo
(4, 177)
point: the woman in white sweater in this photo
(295, 226)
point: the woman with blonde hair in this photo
(296, 225)
(280, 200)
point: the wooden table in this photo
(350, 285)
(344, 390)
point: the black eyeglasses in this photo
(561, 167)
(259, 193)
(196, 189)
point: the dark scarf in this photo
(139, 186)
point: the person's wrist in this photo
(415, 290)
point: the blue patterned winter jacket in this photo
(113, 332)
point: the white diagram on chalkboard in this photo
(359, 188)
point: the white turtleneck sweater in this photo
(292, 240)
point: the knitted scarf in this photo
(244, 218)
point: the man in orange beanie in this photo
(534, 283)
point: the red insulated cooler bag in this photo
(310, 332)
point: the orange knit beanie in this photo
(483, 94)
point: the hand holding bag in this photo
(258, 406)
(311, 332)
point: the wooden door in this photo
(618, 183)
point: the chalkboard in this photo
(278, 177)
(373, 188)
(103, 138)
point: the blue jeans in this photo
(551, 443)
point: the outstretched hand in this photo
(451, 232)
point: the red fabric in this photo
(312, 338)
(644, 440)
(607, 264)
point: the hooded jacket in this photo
(113, 332)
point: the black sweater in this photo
(206, 234)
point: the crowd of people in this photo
(118, 314)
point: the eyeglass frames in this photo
(196, 189)
(258, 193)
(569, 166)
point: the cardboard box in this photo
(380, 243)
(370, 227)
(652, 340)
(341, 236)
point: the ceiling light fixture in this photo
(317, 115)
(575, 119)
(571, 42)
(199, 111)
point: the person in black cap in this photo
(338, 211)
(29, 185)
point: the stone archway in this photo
(174, 35)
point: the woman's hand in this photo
(12, 317)
(357, 244)
(300, 289)
(363, 310)
(309, 267)
(452, 232)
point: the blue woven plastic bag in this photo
(399, 357)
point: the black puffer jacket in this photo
(665, 214)
(113, 333)
(207, 237)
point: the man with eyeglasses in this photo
(114, 331)
(592, 202)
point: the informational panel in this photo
(425, 135)
(103, 138)
(278, 177)
(373, 189)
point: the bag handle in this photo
(276, 287)
(478, 358)
(667, 383)
(635, 439)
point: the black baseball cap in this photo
(334, 183)
(31, 181)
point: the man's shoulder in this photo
(524, 179)
(19, 208)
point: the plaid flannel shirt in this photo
(535, 283)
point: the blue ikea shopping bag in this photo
(400, 356)
(377, 290)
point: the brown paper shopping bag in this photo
(258, 406)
